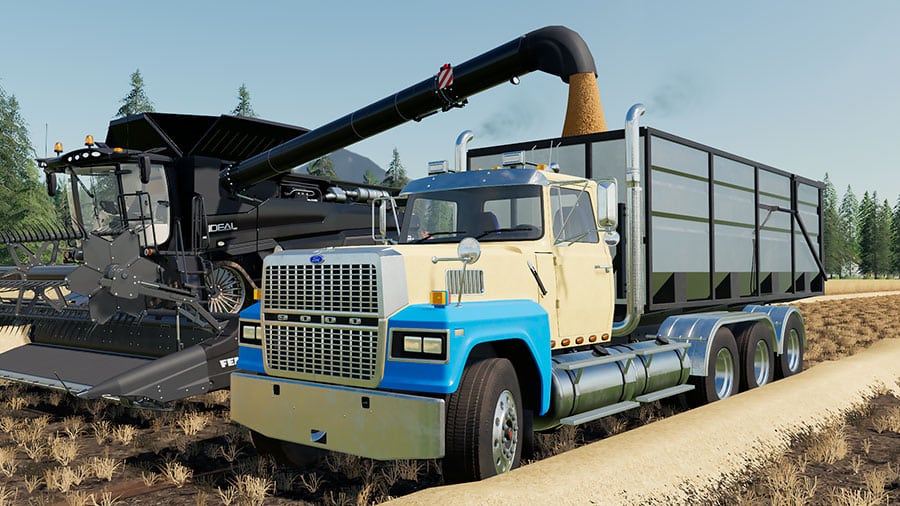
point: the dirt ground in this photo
(744, 450)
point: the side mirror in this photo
(51, 184)
(607, 204)
(469, 251)
(145, 164)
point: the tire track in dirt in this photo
(689, 457)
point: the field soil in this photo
(57, 450)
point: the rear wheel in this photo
(485, 429)
(790, 362)
(721, 378)
(757, 354)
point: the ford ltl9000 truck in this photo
(519, 299)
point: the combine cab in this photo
(137, 298)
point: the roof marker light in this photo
(57, 148)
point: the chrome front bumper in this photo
(367, 423)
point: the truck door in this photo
(583, 266)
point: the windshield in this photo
(96, 191)
(99, 202)
(497, 213)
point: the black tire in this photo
(790, 362)
(286, 453)
(485, 423)
(756, 346)
(722, 376)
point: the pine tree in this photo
(23, 198)
(136, 101)
(849, 213)
(895, 239)
(834, 246)
(395, 176)
(243, 108)
(883, 245)
(874, 234)
(322, 167)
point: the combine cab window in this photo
(509, 213)
(97, 198)
(105, 205)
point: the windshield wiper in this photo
(435, 234)
(517, 228)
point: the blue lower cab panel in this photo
(521, 321)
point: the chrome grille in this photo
(472, 282)
(348, 288)
(334, 352)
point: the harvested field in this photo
(54, 450)
(842, 286)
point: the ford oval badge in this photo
(316, 259)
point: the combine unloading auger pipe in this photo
(555, 50)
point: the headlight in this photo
(415, 344)
(251, 334)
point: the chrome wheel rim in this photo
(227, 292)
(792, 350)
(505, 432)
(724, 373)
(761, 362)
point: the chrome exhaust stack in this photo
(634, 204)
(460, 153)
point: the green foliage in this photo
(835, 242)
(395, 175)
(23, 198)
(243, 108)
(370, 178)
(136, 101)
(874, 235)
(322, 167)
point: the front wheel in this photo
(485, 429)
(721, 378)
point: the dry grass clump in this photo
(192, 423)
(8, 496)
(176, 473)
(124, 433)
(829, 446)
(64, 450)
(8, 464)
(104, 468)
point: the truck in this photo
(136, 298)
(537, 285)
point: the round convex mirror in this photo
(469, 251)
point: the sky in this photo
(811, 87)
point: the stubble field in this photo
(59, 450)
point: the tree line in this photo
(861, 236)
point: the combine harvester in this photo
(636, 267)
(165, 250)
